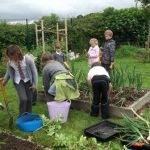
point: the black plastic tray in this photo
(102, 131)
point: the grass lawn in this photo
(77, 120)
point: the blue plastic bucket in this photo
(29, 122)
(59, 108)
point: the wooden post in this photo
(57, 30)
(148, 40)
(66, 37)
(36, 35)
(43, 42)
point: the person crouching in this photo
(99, 79)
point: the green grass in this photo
(77, 120)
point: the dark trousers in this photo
(34, 98)
(100, 85)
(106, 66)
(25, 96)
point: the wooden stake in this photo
(43, 42)
(148, 40)
(66, 37)
(36, 35)
(57, 30)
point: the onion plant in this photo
(134, 131)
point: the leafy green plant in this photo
(51, 126)
(69, 142)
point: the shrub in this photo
(143, 55)
(126, 51)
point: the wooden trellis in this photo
(58, 32)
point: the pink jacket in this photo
(93, 55)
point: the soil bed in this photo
(120, 98)
(13, 143)
(126, 97)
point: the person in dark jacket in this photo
(107, 60)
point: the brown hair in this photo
(57, 46)
(109, 32)
(13, 52)
(46, 56)
(96, 64)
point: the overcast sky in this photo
(35, 9)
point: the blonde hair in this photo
(109, 32)
(95, 41)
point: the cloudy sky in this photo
(35, 9)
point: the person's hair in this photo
(46, 56)
(95, 41)
(96, 64)
(13, 52)
(57, 46)
(109, 32)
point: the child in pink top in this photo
(93, 52)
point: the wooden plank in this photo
(43, 42)
(141, 102)
(115, 111)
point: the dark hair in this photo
(96, 64)
(46, 56)
(14, 52)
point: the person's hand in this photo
(110, 88)
(33, 88)
(87, 55)
(111, 66)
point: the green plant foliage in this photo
(124, 77)
(51, 126)
(143, 55)
(126, 51)
(134, 130)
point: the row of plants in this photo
(67, 141)
(122, 77)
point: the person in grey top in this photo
(108, 52)
(22, 71)
(59, 83)
(50, 69)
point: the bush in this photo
(143, 55)
(126, 51)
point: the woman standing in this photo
(22, 71)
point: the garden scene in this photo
(79, 82)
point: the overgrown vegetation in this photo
(122, 77)
(130, 26)
(135, 131)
